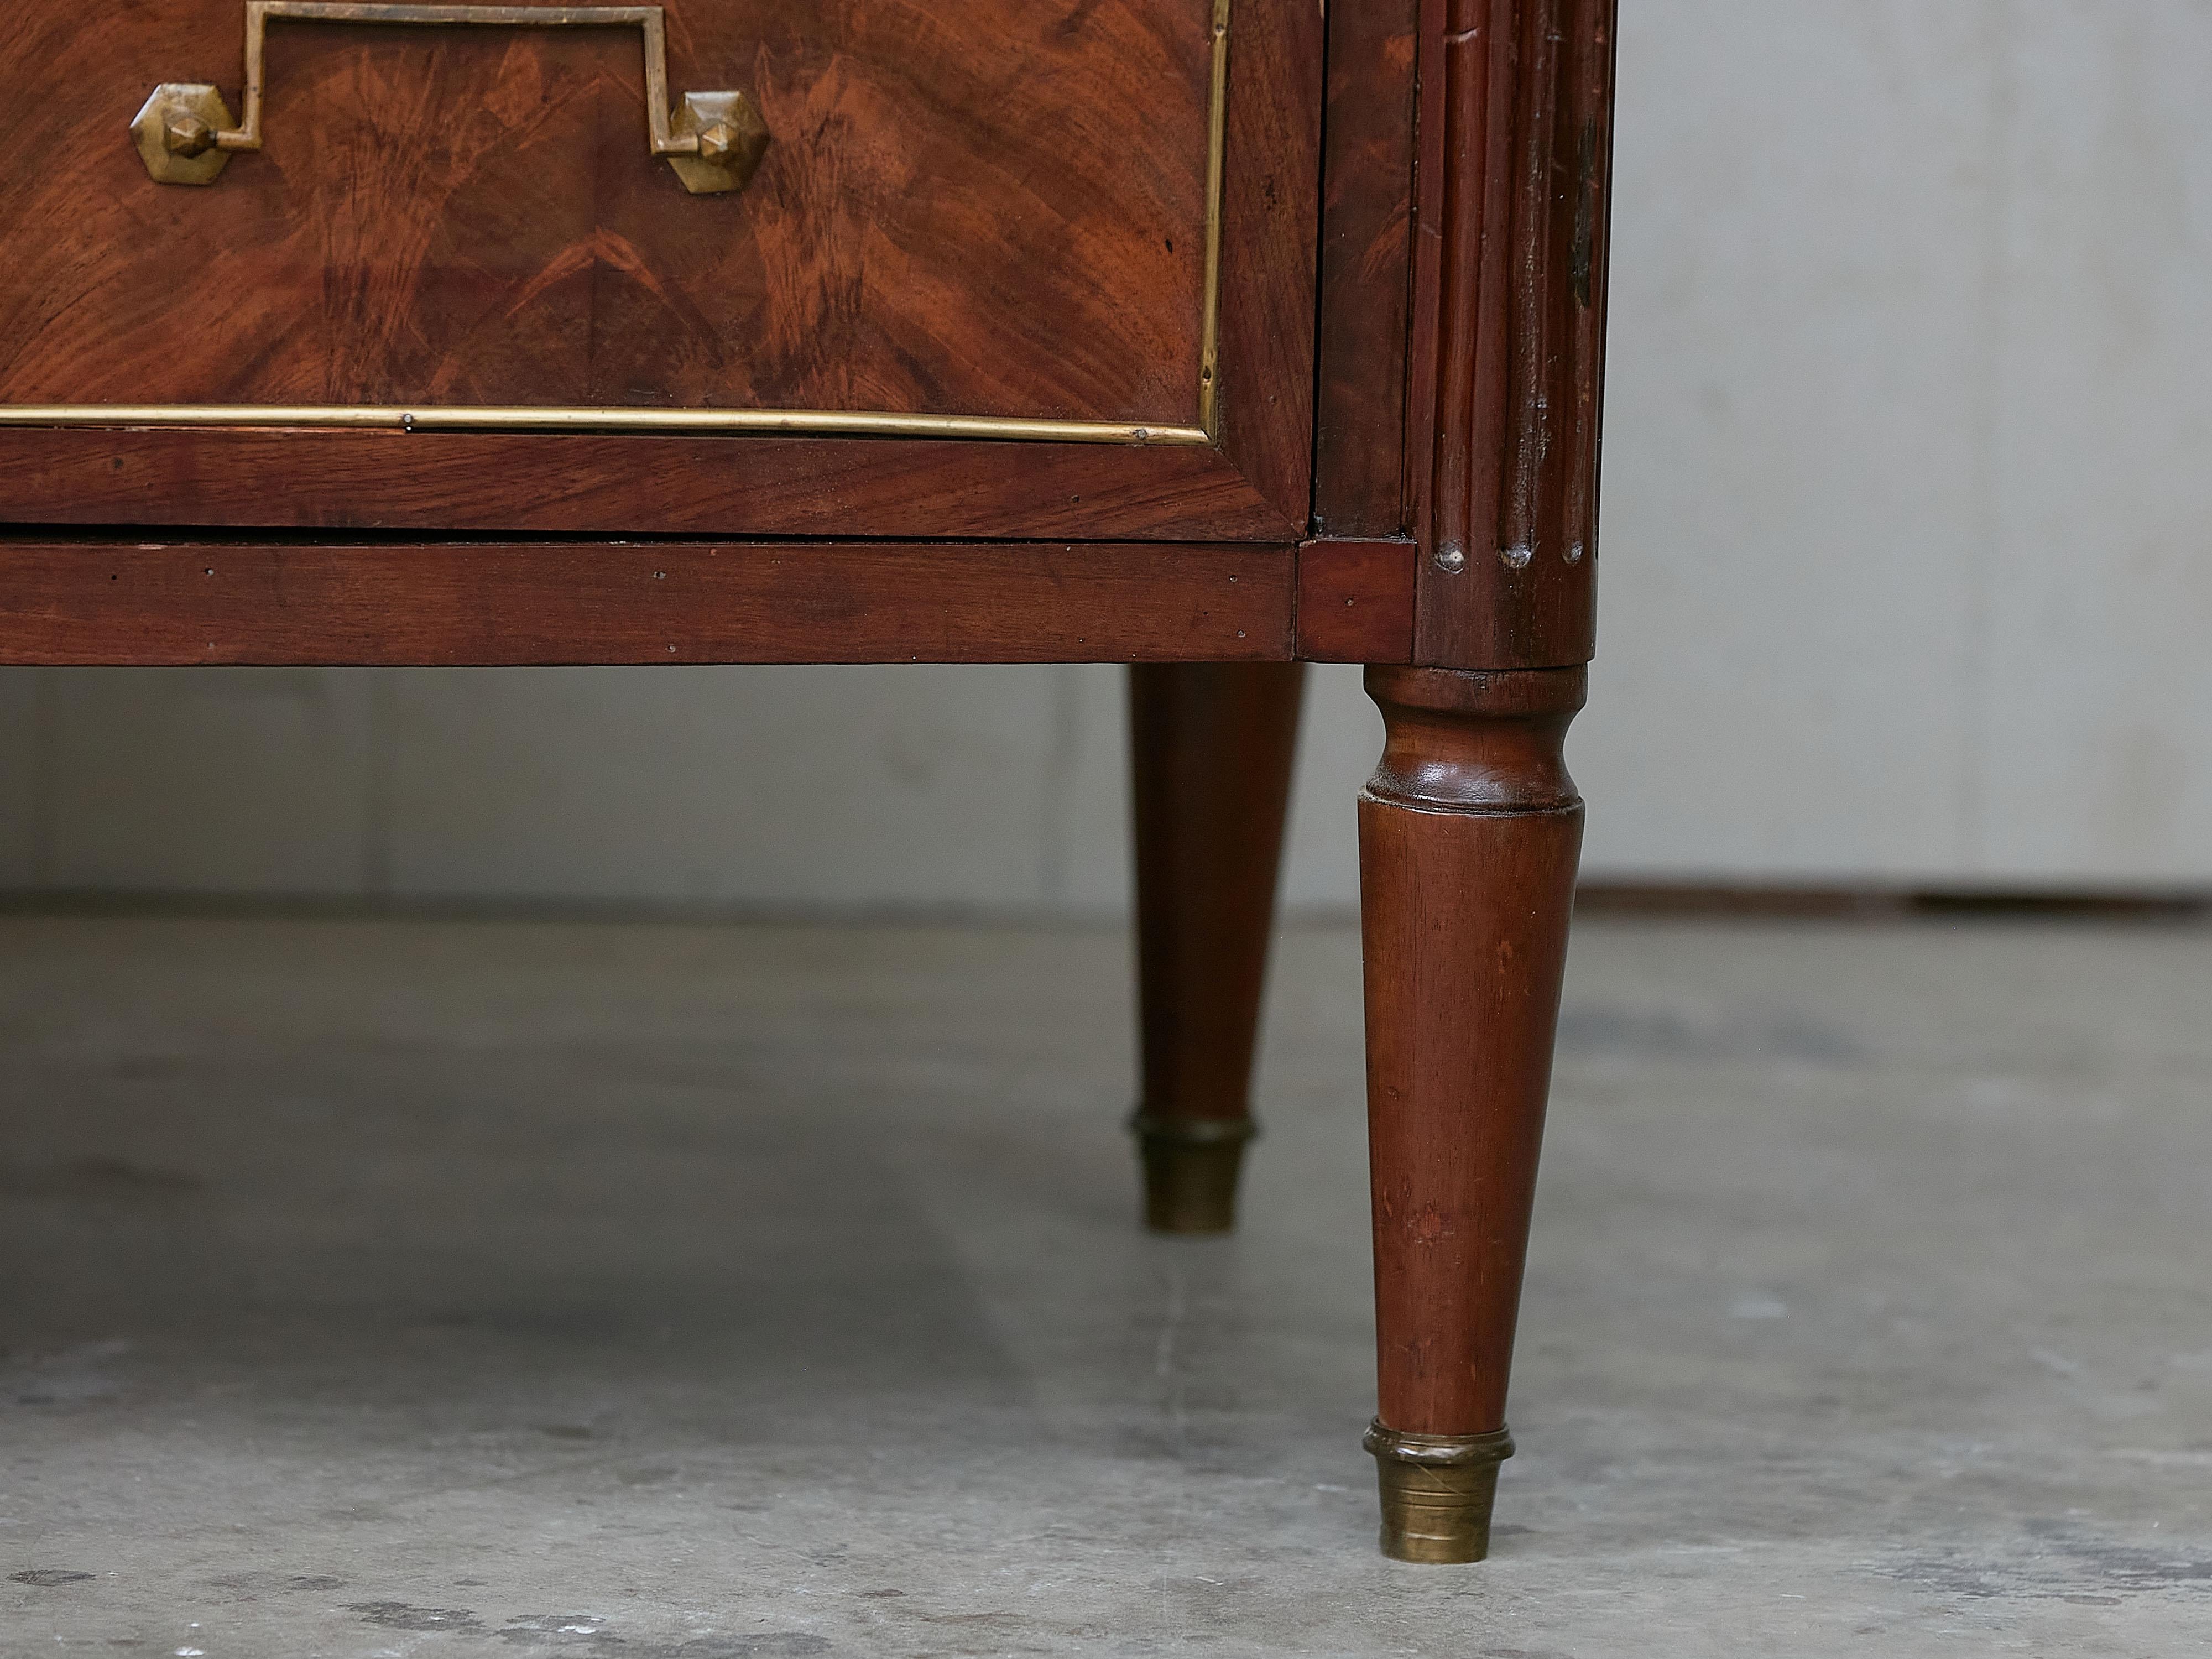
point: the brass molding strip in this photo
(698, 422)
(819, 422)
(1217, 149)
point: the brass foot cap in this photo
(1191, 1166)
(1438, 1492)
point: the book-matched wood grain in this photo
(992, 208)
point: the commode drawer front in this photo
(979, 248)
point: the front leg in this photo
(1469, 836)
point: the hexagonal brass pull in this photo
(714, 143)
(179, 131)
(731, 137)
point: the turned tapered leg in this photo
(1210, 747)
(1468, 837)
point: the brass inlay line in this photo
(525, 418)
(522, 418)
(1217, 146)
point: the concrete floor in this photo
(668, 1292)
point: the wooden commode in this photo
(1212, 336)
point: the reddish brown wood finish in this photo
(1356, 601)
(426, 483)
(1509, 327)
(1269, 226)
(1211, 746)
(995, 208)
(1468, 835)
(587, 602)
(1365, 254)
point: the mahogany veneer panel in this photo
(986, 207)
(991, 207)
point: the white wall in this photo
(1907, 560)
(1909, 496)
(972, 788)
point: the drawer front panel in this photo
(1005, 267)
(995, 208)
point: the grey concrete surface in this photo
(387, 1288)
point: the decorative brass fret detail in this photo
(717, 144)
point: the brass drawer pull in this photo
(714, 142)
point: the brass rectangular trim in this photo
(696, 422)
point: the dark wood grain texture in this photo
(1509, 328)
(1367, 250)
(1356, 601)
(1270, 226)
(977, 206)
(1469, 836)
(425, 483)
(971, 207)
(586, 602)
(1211, 746)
